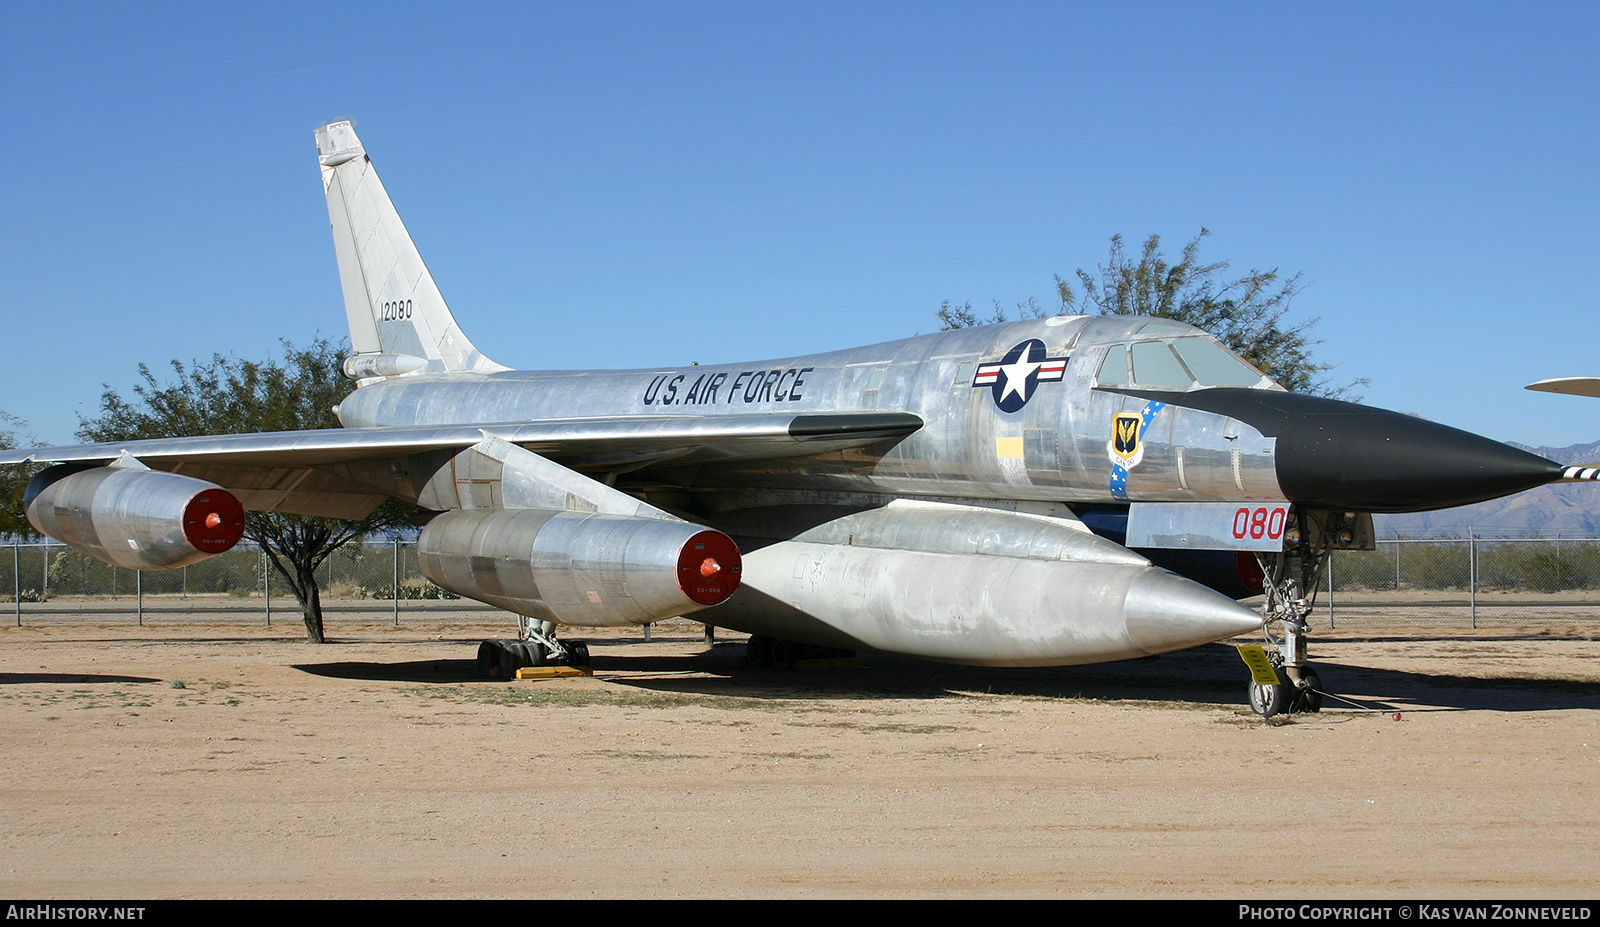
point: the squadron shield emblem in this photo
(1126, 447)
(1125, 438)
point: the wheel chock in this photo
(552, 672)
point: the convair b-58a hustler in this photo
(1033, 493)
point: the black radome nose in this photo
(1341, 455)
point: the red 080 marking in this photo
(1259, 523)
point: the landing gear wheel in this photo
(510, 659)
(537, 654)
(758, 651)
(577, 653)
(1268, 700)
(488, 658)
(1309, 699)
(784, 654)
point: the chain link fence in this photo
(1464, 582)
(1454, 582)
(362, 582)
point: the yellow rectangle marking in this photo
(1008, 447)
(552, 672)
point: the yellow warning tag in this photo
(1261, 669)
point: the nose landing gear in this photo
(1298, 690)
(1283, 682)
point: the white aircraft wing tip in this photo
(1571, 386)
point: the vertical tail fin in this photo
(399, 322)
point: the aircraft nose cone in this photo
(1166, 612)
(1341, 455)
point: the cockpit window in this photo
(1155, 326)
(1154, 365)
(1181, 363)
(1214, 365)
(1114, 369)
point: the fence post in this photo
(397, 579)
(16, 582)
(138, 595)
(266, 586)
(1472, 573)
(1330, 590)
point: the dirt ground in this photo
(234, 762)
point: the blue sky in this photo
(630, 184)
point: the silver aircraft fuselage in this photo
(1057, 443)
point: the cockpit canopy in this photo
(1193, 361)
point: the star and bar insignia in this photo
(1015, 376)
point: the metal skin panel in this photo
(377, 366)
(932, 526)
(497, 474)
(133, 517)
(1208, 526)
(578, 569)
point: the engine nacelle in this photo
(579, 569)
(134, 517)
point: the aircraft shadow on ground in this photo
(1399, 690)
(12, 679)
(1210, 675)
(418, 671)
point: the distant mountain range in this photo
(1564, 510)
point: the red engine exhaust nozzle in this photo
(213, 521)
(708, 568)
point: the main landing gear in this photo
(1290, 587)
(536, 646)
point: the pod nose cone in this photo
(1166, 612)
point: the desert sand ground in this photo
(240, 762)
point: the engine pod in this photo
(135, 518)
(579, 568)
